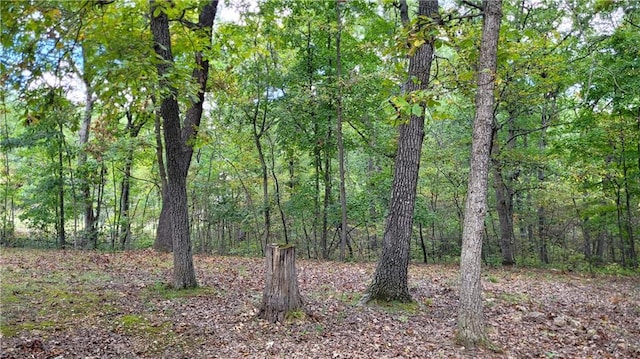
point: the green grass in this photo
(48, 299)
(396, 307)
(514, 298)
(165, 291)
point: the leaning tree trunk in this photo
(471, 330)
(281, 294)
(390, 278)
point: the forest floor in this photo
(82, 304)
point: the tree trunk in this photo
(258, 131)
(164, 240)
(504, 206)
(546, 117)
(8, 224)
(90, 231)
(471, 330)
(179, 139)
(327, 197)
(62, 241)
(633, 259)
(281, 294)
(341, 170)
(390, 278)
(422, 245)
(276, 184)
(133, 129)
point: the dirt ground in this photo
(82, 304)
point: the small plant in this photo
(616, 270)
(296, 315)
(492, 278)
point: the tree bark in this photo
(133, 129)
(504, 205)
(258, 132)
(390, 278)
(471, 329)
(62, 241)
(90, 231)
(179, 138)
(327, 200)
(341, 170)
(163, 241)
(281, 293)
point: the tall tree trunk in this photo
(390, 278)
(341, 170)
(164, 240)
(133, 129)
(372, 170)
(62, 241)
(8, 224)
(179, 137)
(316, 200)
(258, 131)
(327, 196)
(504, 205)
(547, 114)
(633, 259)
(276, 184)
(90, 226)
(471, 328)
(422, 245)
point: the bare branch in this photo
(473, 5)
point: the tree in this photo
(504, 199)
(390, 278)
(471, 329)
(341, 169)
(179, 137)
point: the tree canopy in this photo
(84, 161)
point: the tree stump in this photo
(281, 294)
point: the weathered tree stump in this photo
(281, 294)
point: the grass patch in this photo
(156, 336)
(12, 329)
(396, 307)
(514, 298)
(49, 300)
(141, 326)
(166, 291)
(295, 316)
(350, 297)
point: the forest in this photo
(82, 145)
(489, 134)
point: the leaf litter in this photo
(76, 304)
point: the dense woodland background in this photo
(82, 151)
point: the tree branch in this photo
(473, 5)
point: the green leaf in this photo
(157, 11)
(416, 110)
